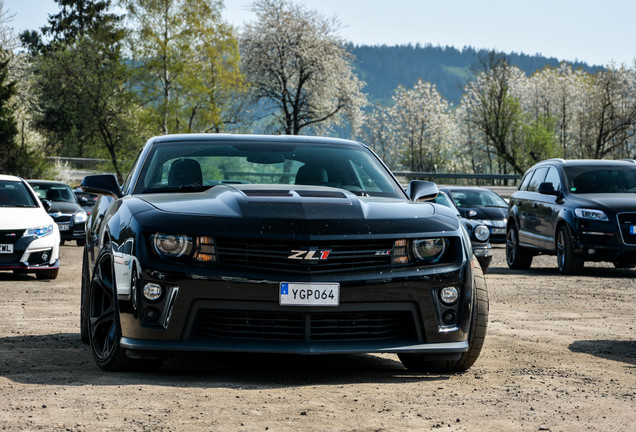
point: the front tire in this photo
(569, 263)
(84, 304)
(47, 274)
(103, 317)
(517, 257)
(477, 334)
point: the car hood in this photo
(12, 218)
(487, 213)
(64, 207)
(615, 203)
(308, 203)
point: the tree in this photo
(496, 112)
(83, 104)
(9, 161)
(186, 64)
(297, 65)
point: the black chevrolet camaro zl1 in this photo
(277, 244)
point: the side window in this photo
(525, 181)
(537, 179)
(553, 177)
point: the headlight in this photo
(80, 217)
(592, 214)
(481, 232)
(172, 245)
(39, 232)
(429, 250)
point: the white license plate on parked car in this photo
(309, 294)
(6, 248)
(63, 227)
(497, 230)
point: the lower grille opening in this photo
(304, 326)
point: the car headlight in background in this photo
(39, 232)
(80, 217)
(482, 232)
(172, 245)
(591, 214)
(429, 250)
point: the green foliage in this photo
(540, 141)
(186, 65)
(9, 160)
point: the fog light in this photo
(152, 291)
(151, 314)
(449, 317)
(449, 295)
(592, 251)
(45, 256)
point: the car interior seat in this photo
(310, 174)
(185, 172)
(54, 195)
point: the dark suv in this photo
(578, 210)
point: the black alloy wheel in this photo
(477, 334)
(569, 263)
(517, 257)
(103, 317)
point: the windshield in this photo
(586, 179)
(15, 194)
(442, 199)
(477, 198)
(196, 166)
(53, 192)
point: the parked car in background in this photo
(478, 232)
(86, 200)
(29, 239)
(280, 244)
(65, 209)
(578, 210)
(482, 205)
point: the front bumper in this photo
(31, 253)
(398, 311)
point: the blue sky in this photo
(597, 32)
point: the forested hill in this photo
(383, 68)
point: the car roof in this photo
(252, 138)
(52, 182)
(6, 177)
(587, 162)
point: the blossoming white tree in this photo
(297, 64)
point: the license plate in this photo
(632, 229)
(309, 294)
(497, 230)
(63, 227)
(6, 248)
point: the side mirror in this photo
(422, 190)
(102, 184)
(547, 189)
(46, 204)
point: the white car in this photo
(29, 238)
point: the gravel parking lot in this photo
(560, 355)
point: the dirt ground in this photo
(560, 355)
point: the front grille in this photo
(339, 256)
(10, 236)
(306, 327)
(625, 222)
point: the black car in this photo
(65, 209)
(483, 206)
(578, 210)
(478, 232)
(86, 200)
(282, 244)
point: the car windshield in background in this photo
(53, 192)
(593, 180)
(199, 166)
(477, 198)
(15, 194)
